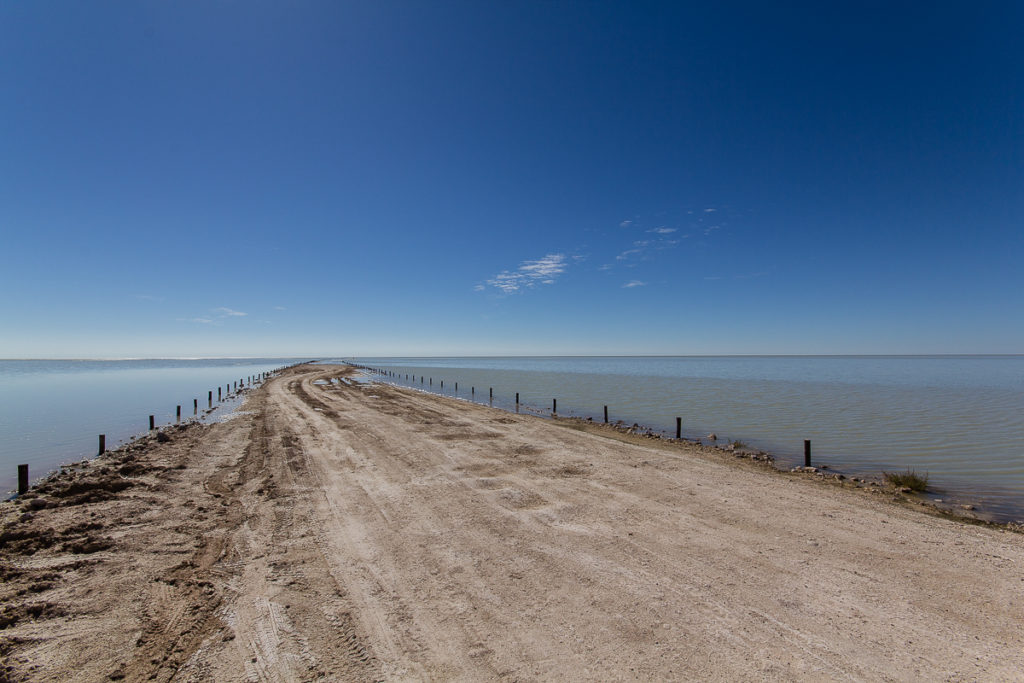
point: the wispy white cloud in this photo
(710, 210)
(280, 308)
(204, 321)
(628, 253)
(711, 229)
(529, 274)
(633, 283)
(625, 224)
(663, 231)
(227, 312)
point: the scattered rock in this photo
(88, 545)
(12, 614)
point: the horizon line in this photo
(527, 355)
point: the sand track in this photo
(363, 532)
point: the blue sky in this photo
(331, 178)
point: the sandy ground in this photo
(351, 532)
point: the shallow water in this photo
(958, 418)
(52, 411)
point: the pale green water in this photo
(958, 418)
(52, 411)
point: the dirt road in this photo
(351, 532)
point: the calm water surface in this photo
(52, 411)
(958, 418)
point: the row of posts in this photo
(23, 469)
(554, 405)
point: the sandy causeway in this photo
(348, 532)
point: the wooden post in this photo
(606, 414)
(517, 398)
(442, 384)
(210, 397)
(178, 415)
(103, 444)
(472, 392)
(151, 423)
(456, 386)
(431, 381)
(218, 394)
(195, 406)
(22, 479)
(679, 427)
(491, 396)
(554, 406)
(807, 452)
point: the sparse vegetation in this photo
(739, 444)
(909, 479)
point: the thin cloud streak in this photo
(529, 274)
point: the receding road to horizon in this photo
(345, 531)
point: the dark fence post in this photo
(679, 427)
(22, 479)
(151, 423)
(178, 414)
(554, 406)
(517, 398)
(103, 444)
(807, 452)
(606, 414)
(195, 406)
(210, 396)
(491, 395)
